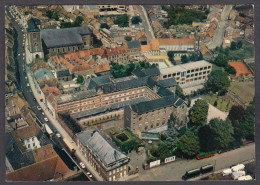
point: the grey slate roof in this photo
(16, 158)
(98, 81)
(160, 103)
(64, 37)
(109, 155)
(74, 97)
(32, 25)
(43, 74)
(147, 72)
(133, 44)
(170, 82)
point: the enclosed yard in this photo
(244, 90)
(247, 51)
(218, 102)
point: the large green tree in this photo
(236, 115)
(221, 60)
(172, 133)
(171, 55)
(80, 79)
(199, 112)
(218, 82)
(136, 20)
(188, 144)
(179, 92)
(206, 138)
(184, 59)
(247, 125)
(122, 20)
(223, 132)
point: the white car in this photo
(58, 135)
(28, 85)
(82, 165)
(46, 119)
(88, 173)
(39, 108)
(43, 113)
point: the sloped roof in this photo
(102, 148)
(43, 74)
(133, 44)
(170, 82)
(100, 80)
(101, 68)
(64, 37)
(176, 41)
(160, 103)
(33, 25)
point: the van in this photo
(238, 167)
(226, 172)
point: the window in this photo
(33, 144)
(29, 146)
(33, 139)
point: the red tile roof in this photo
(177, 41)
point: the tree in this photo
(233, 45)
(122, 20)
(77, 22)
(236, 115)
(171, 55)
(199, 112)
(136, 20)
(184, 59)
(239, 44)
(221, 60)
(104, 25)
(128, 38)
(230, 70)
(218, 82)
(223, 132)
(247, 125)
(179, 92)
(80, 79)
(188, 144)
(206, 138)
(172, 133)
(96, 42)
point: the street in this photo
(220, 31)
(175, 170)
(145, 21)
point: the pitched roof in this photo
(133, 44)
(144, 107)
(97, 81)
(101, 68)
(43, 74)
(33, 25)
(63, 73)
(176, 41)
(64, 37)
(170, 82)
(104, 150)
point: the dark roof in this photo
(76, 96)
(133, 44)
(170, 82)
(62, 73)
(108, 154)
(16, 158)
(32, 25)
(120, 86)
(160, 103)
(64, 37)
(98, 81)
(137, 72)
(152, 71)
(164, 92)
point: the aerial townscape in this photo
(129, 92)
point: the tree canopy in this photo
(128, 38)
(52, 14)
(104, 25)
(179, 92)
(218, 82)
(247, 125)
(184, 59)
(236, 115)
(199, 112)
(188, 144)
(136, 20)
(172, 133)
(76, 23)
(80, 79)
(206, 138)
(171, 55)
(122, 20)
(223, 132)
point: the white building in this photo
(188, 75)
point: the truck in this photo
(48, 130)
(191, 174)
(69, 145)
(226, 172)
(238, 167)
(236, 175)
(245, 178)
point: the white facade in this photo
(177, 47)
(188, 75)
(31, 143)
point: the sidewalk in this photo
(62, 132)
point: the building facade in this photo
(105, 157)
(188, 75)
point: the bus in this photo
(204, 155)
(206, 169)
(191, 173)
(48, 130)
(69, 145)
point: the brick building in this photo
(103, 155)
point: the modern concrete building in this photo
(188, 75)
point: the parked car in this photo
(39, 108)
(82, 165)
(58, 135)
(28, 85)
(54, 130)
(46, 119)
(43, 113)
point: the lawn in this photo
(221, 103)
(247, 51)
(244, 90)
(216, 68)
